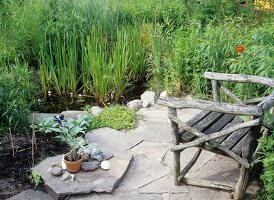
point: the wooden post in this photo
(216, 91)
(176, 140)
(248, 149)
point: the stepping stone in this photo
(74, 113)
(85, 182)
(113, 139)
(31, 195)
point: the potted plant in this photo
(70, 132)
(73, 160)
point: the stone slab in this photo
(142, 172)
(85, 182)
(142, 196)
(74, 113)
(153, 131)
(163, 185)
(44, 115)
(151, 150)
(186, 156)
(31, 195)
(112, 139)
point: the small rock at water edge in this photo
(135, 104)
(149, 98)
(90, 166)
(95, 110)
(163, 94)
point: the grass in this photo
(101, 48)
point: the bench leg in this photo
(241, 185)
(189, 165)
(176, 167)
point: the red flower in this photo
(240, 48)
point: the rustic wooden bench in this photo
(218, 128)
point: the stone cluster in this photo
(148, 99)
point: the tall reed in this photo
(59, 62)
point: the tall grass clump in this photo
(22, 29)
(197, 49)
(17, 92)
(59, 61)
(109, 65)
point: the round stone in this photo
(105, 165)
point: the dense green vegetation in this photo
(100, 49)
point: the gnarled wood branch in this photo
(240, 78)
(211, 106)
(216, 135)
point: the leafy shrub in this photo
(267, 150)
(17, 95)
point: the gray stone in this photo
(98, 157)
(142, 172)
(95, 110)
(73, 114)
(142, 196)
(85, 156)
(107, 155)
(112, 139)
(86, 182)
(31, 195)
(163, 185)
(148, 98)
(163, 94)
(146, 104)
(90, 166)
(96, 154)
(56, 170)
(135, 104)
(44, 115)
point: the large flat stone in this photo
(74, 113)
(164, 185)
(142, 196)
(151, 150)
(112, 139)
(31, 195)
(142, 172)
(85, 182)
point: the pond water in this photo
(57, 104)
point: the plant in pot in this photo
(73, 158)
(71, 133)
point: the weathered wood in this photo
(213, 143)
(241, 78)
(235, 121)
(237, 149)
(212, 136)
(267, 103)
(203, 124)
(241, 185)
(254, 100)
(189, 165)
(213, 106)
(216, 91)
(210, 184)
(231, 95)
(234, 138)
(176, 141)
(220, 124)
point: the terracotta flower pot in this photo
(240, 48)
(74, 166)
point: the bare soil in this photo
(15, 171)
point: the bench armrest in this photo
(211, 106)
(240, 78)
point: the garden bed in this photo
(16, 172)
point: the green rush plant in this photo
(59, 62)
